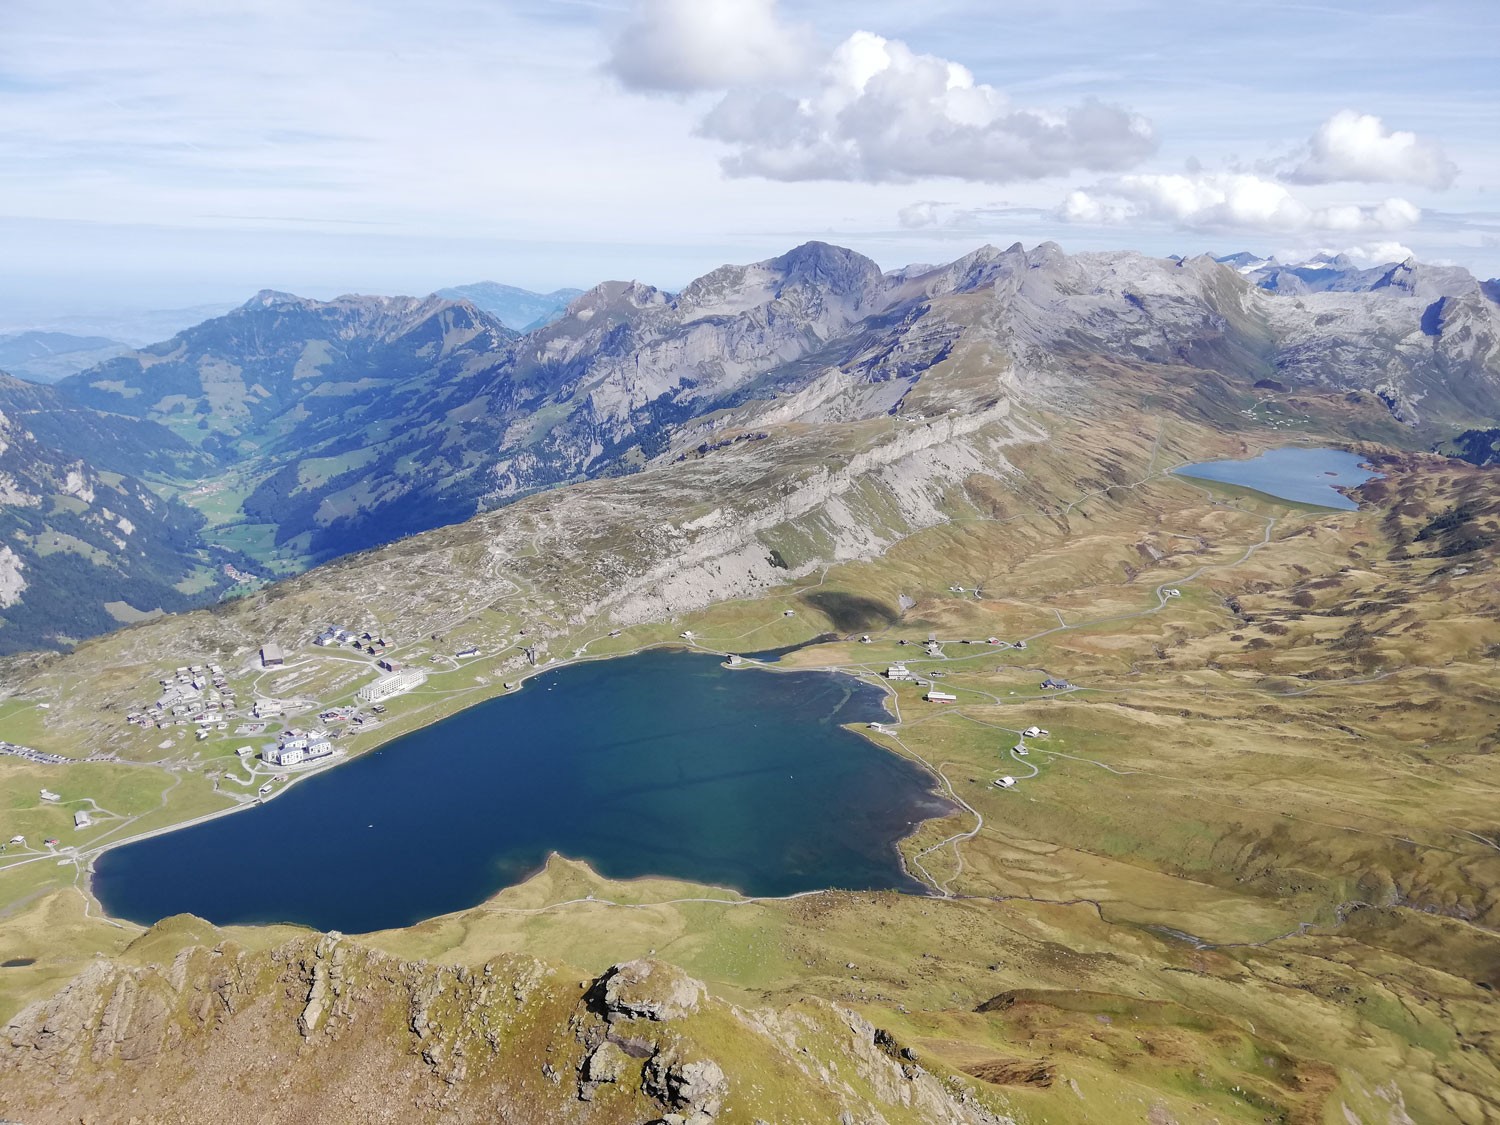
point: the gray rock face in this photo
(1338, 274)
(1425, 339)
(608, 1063)
(650, 990)
(696, 1089)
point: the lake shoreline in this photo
(926, 803)
(1317, 477)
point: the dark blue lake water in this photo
(1307, 476)
(663, 763)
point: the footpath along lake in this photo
(1308, 476)
(662, 763)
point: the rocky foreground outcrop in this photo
(323, 1029)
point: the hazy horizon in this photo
(209, 298)
(169, 155)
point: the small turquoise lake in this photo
(1308, 476)
(663, 763)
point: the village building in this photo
(297, 751)
(394, 684)
(271, 656)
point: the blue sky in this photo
(177, 152)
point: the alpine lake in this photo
(663, 763)
(1305, 476)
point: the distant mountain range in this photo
(46, 357)
(520, 310)
(302, 430)
(1338, 273)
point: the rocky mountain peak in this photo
(828, 284)
(975, 270)
(820, 263)
(269, 298)
(616, 294)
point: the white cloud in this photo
(881, 113)
(1227, 201)
(924, 213)
(974, 217)
(1358, 147)
(686, 45)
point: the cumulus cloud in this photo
(1358, 147)
(924, 213)
(882, 113)
(687, 45)
(1227, 201)
(871, 110)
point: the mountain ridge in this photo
(521, 310)
(336, 426)
(84, 546)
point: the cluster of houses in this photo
(350, 715)
(1020, 751)
(368, 643)
(197, 695)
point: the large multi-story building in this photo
(395, 684)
